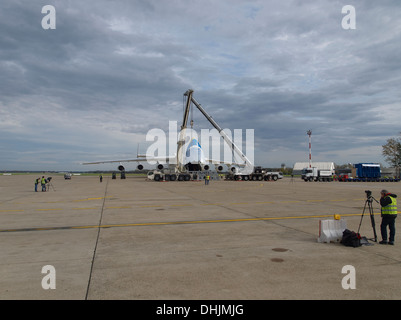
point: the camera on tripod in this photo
(368, 204)
(49, 184)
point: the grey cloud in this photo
(121, 67)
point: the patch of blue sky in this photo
(251, 11)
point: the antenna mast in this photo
(309, 133)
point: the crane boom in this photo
(247, 163)
(181, 140)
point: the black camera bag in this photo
(351, 239)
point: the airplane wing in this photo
(113, 161)
(141, 158)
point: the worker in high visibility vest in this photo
(207, 178)
(36, 184)
(388, 203)
(43, 183)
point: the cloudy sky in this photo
(92, 88)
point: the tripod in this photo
(368, 203)
(50, 185)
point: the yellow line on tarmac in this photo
(87, 227)
(150, 206)
(181, 205)
(147, 224)
(89, 199)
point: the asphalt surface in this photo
(134, 239)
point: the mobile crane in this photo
(183, 172)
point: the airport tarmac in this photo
(135, 239)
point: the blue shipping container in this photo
(368, 170)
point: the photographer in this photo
(388, 203)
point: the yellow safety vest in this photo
(391, 208)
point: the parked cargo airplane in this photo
(194, 160)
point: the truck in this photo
(67, 176)
(342, 177)
(171, 175)
(258, 174)
(315, 174)
(164, 175)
